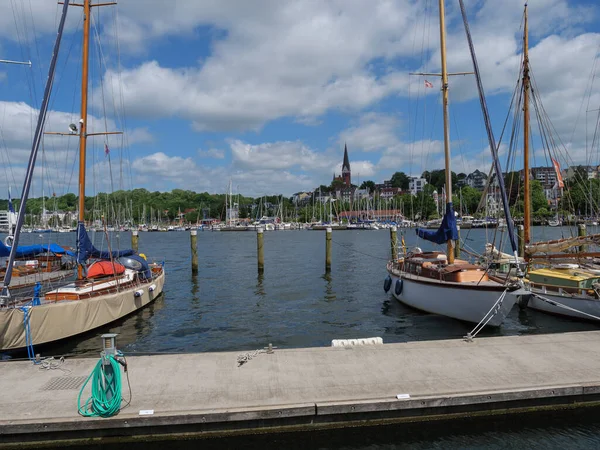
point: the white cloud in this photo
(278, 156)
(373, 132)
(214, 153)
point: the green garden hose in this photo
(105, 400)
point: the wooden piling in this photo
(394, 242)
(260, 251)
(194, 247)
(581, 232)
(328, 249)
(521, 239)
(134, 240)
(457, 244)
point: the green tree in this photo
(370, 185)
(400, 180)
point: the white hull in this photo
(53, 321)
(586, 305)
(469, 304)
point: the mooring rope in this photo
(560, 305)
(488, 316)
(245, 357)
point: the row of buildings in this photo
(344, 191)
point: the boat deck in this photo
(27, 280)
(308, 387)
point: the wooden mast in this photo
(83, 122)
(526, 189)
(84, 94)
(450, 247)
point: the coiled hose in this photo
(105, 400)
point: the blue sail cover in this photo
(86, 250)
(446, 231)
(24, 251)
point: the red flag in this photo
(106, 150)
(428, 84)
(561, 184)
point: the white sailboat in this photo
(436, 282)
(114, 285)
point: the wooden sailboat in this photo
(114, 285)
(561, 279)
(436, 282)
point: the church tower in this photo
(346, 174)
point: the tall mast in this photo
(526, 191)
(450, 247)
(84, 94)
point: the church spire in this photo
(346, 164)
(346, 174)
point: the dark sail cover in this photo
(446, 231)
(86, 250)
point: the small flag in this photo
(428, 84)
(106, 150)
(561, 184)
(10, 204)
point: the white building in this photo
(416, 185)
(6, 220)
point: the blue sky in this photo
(265, 93)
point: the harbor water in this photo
(229, 307)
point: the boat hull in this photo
(589, 306)
(469, 303)
(53, 321)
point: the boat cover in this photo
(86, 250)
(560, 245)
(24, 251)
(445, 232)
(104, 268)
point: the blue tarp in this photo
(86, 250)
(446, 231)
(24, 251)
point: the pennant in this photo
(559, 178)
(428, 84)
(106, 150)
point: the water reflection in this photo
(329, 292)
(195, 289)
(260, 289)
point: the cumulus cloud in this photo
(214, 153)
(270, 60)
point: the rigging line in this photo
(102, 60)
(28, 77)
(8, 166)
(36, 46)
(358, 251)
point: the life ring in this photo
(399, 286)
(8, 241)
(387, 284)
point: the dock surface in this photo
(209, 392)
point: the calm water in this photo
(227, 306)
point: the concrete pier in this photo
(307, 388)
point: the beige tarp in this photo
(561, 245)
(57, 320)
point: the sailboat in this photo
(33, 264)
(110, 284)
(562, 278)
(436, 282)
